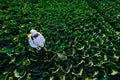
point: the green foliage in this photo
(82, 38)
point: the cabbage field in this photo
(82, 39)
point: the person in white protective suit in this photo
(36, 40)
